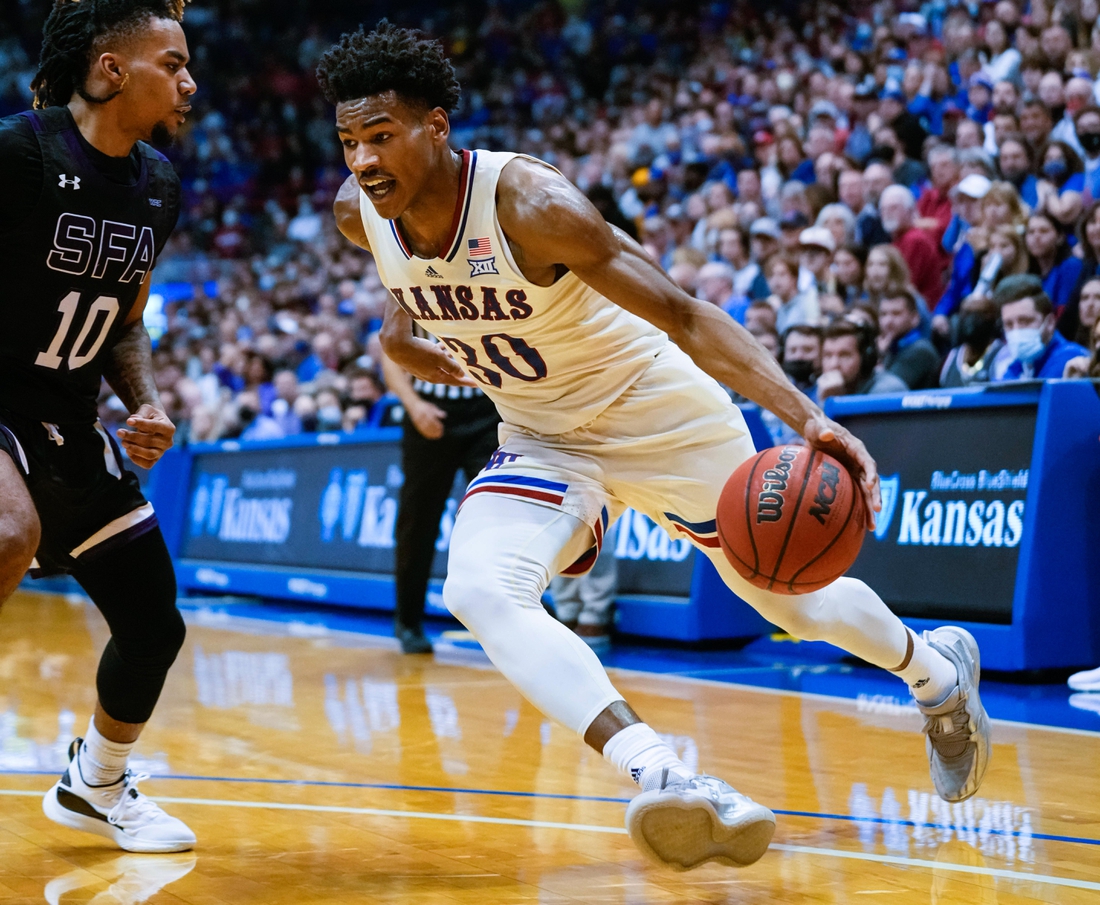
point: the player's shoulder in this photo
(533, 198)
(17, 134)
(157, 159)
(523, 174)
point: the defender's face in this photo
(160, 87)
(389, 146)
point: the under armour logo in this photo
(64, 182)
(480, 268)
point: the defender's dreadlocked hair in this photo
(73, 33)
(401, 60)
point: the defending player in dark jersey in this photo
(86, 208)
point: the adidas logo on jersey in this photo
(64, 182)
(433, 274)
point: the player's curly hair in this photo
(75, 30)
(402, 60)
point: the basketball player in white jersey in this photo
(607, 378)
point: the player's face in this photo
(160, 87)
(391, 147)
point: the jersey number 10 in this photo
(104, 305)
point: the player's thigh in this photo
(507, 548)
(20, 529)
(678, 486)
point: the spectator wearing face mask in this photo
(801, 356)
(1062, 167)
(1033, 348)
(979, 342)
(1088, 136)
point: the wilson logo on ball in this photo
(769, 503)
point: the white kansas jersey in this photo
(552, 358)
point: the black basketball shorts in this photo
(87, 501)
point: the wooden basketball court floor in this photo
(323, 766)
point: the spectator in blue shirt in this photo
(1062, 167)
(979, 97)
(1059, 269)
(1033, 348)
(1015, 162)
(966, 200)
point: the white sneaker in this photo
(958, 733)
(685, 822)
(118, 811)
(1089, 680)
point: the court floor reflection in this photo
(323, 766)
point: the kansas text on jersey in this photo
(551, 357)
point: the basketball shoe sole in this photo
(688, 822)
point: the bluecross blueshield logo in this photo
(889, 488)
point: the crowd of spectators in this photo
(889, 196)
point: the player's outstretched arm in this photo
(550, 224)
(129, 371)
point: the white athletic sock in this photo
(102, 762)
(639, 753)
(931, 677)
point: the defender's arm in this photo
(129, 371)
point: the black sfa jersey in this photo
(73, 261)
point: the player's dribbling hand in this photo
(150, 436)
(828, 436)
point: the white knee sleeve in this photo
(503, 554)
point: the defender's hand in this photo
(150, 438)
(828, 436)
(427, 419)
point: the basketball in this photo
(791, 520)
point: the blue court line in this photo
(396, 787)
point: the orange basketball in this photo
(791, 520)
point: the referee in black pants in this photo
(447, 428)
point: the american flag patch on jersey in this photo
(480, 248)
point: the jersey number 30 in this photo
(500, 349)
(103, 312)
